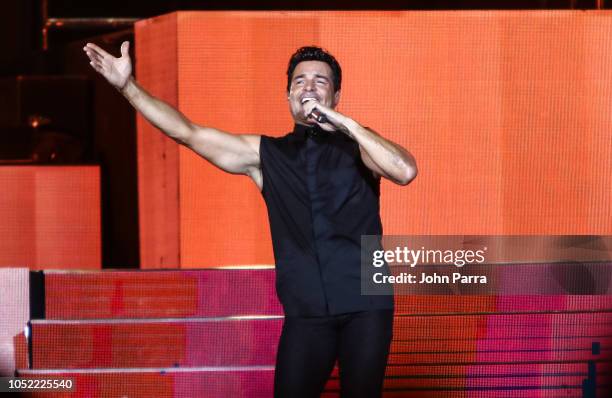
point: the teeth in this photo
(308, 99)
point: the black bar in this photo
(37, 295)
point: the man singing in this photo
(321, 185)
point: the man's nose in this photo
(309, 85)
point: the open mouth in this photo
(306, 99)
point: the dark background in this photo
(108, 121)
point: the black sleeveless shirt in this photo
(321, 198)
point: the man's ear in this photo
(336, 97)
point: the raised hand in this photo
(116, 70)
(334, 119)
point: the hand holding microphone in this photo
(315, 113)
(318, 116)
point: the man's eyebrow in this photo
(316, 75)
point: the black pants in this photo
(309, 347)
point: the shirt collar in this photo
(304, 132)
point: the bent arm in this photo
(385, 158)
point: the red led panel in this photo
(50, 217)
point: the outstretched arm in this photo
(238, 154)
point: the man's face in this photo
(311, 80)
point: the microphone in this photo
(315, 114)
(318, 116)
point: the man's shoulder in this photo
(282, 146)
(278, 140)
(279, 137)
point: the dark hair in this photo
(312, 53)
